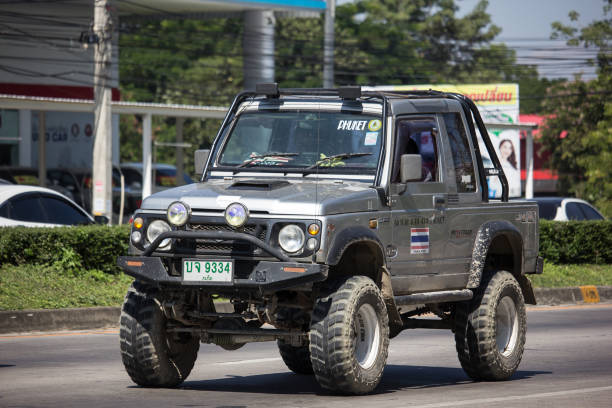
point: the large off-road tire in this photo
(297, 359)
(349, 336)
(490, 329)
(151, 356)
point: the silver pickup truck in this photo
(329, 220)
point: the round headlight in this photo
(178, 213)
(136, 237)
(291, 238)
(236, 215)
(155, 229)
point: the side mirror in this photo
(200, 157)
(411, 167)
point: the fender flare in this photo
(353, 235)
(484, 237)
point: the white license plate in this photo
(208, 271)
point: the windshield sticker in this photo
(370, 139)
(272, 160)
(352, 124)
(374, 125)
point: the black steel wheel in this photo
(349, 337)
(490, 330)
(151, 356)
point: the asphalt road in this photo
(567, 363)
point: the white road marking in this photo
(516, 397)
(254, 361)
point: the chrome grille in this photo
(211, 245)
(249, 229)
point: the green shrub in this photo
(71, 249)
(576, 242)
(76, 249)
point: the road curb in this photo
(573, 295)
(26, 321)
(21, 321)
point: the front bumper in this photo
(264, 276)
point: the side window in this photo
(573, 212)
(417, 136)
(59, 212)
(27, 208)
(462, 156)
(588, 211)
(548, 211)
(4, 210)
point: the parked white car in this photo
(566, 209)
(32, 206)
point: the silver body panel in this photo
(451, 219)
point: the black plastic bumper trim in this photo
(265, 275)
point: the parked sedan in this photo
(32, 206)
(566, 209)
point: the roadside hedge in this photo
(92, 247)
(576, 242)
(97, 247)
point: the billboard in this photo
(497, 103)
(69, 138)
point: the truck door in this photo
(465, 212)
(417, 208)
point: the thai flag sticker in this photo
(419, 241)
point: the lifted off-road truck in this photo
(331, 220)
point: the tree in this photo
(179, 61)
(378, 42)
(418, 41)
(579, 132)
(387, 42)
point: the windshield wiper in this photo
(252, 159)
(337, 156)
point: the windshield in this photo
(322, 140)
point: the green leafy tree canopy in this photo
(578, 133)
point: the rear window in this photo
(590, 213)
(165, 177)
(573, 212)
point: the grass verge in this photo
(54, 287)
(48, 287)
(559, 276)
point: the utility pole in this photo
(102, 152)
(258, 47)
(328, 45)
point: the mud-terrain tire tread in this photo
(297, 359)
(475, 329)
(145, 349)
(331, 348)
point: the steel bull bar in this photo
(263, 276)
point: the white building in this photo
(44, 54)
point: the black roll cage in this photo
(470, 111)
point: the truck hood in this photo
(272, 196)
